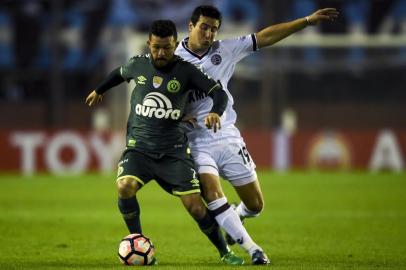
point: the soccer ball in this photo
(136, 249)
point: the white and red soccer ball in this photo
(136, 249)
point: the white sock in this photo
(231, 223)
(244, 212)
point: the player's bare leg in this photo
(209, 227)
(252, 200)
(227, 218)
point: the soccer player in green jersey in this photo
(156, 145)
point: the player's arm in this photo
(220, 100)
(277, 32)
(201, 81)
(112, 80)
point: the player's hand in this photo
(325, 14)
(212, 120)
(93, 98)
(189, 119)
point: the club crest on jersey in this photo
(216, 59)
(157, 81)
(173, 86)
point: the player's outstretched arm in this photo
(112, 80)
(277, 32)
(93, 98)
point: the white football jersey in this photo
(219, 63)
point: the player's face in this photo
(161, 49)
(203, 33)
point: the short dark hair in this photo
(163, 28)
(207, 11)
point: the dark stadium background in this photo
(339, 85)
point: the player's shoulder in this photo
(186, 64)
(191, 68)
(236, 39)
(139, 57)
(181, 48)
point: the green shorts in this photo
(174, 174)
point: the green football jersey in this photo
(158, 102)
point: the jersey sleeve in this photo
(201, 81)
(126, 69)
(242, 46)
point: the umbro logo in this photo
(141, 79)
(195, 183)
(240, 240)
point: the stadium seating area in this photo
(70, 44)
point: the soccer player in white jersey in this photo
(224, 153)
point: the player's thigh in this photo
(251, 195)
(177, 175)
(134, 171)
(236, 165)
(205, 160)
(211, 187)
(127, 187)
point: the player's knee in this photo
(211, 191)
(126, 187)
(258, 206)
(255, 206)
(212, 195)
(196, 210)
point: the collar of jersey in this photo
(185, 45)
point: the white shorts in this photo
(229, 160)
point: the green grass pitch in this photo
(311, 221)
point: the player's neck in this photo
(195, 48)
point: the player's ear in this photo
(190, 26)
(148, 42)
